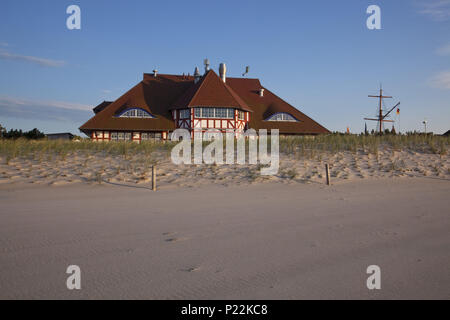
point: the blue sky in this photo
(317, 55)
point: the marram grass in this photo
(369, 144)
(301, 146)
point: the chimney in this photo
(206, 63)
(197, 75)
(223, 72)
(155, 73)
(261, 92)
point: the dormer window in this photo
(282, 116)
(135, 113)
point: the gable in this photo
(210, 91)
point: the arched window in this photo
(282, 116)
(135, 113)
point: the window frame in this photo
(213, 113)
(134, 114)
(289, 117)
(185, 113)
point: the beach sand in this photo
(270, 240)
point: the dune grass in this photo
(313, 146)
(301, 146)
(46, 149)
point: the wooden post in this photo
(327, 172)
(154, 178)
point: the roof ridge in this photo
(200, 86)
(242, 78)
(225, 86)
(191, 76)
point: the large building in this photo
(160, 103)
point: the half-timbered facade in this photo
(203, 118)
(162, 103)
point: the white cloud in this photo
(12, 101)
(40, 61)
(106, 91)
(444, 51)
(441, 80)
(44, 110)
(4, 44)
(438, 10)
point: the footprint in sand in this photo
(175, 239)
(191, 269)
(172, 238)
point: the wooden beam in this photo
(379, 96)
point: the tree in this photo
(13, 134)
(2, 131)
(16, 134)
(34, 134)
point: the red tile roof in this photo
(210, 91)
(163, 93)
(269, 104)
(154, 94)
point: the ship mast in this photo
(381, 118)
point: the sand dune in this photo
(136, 169)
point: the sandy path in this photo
(273, 240)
